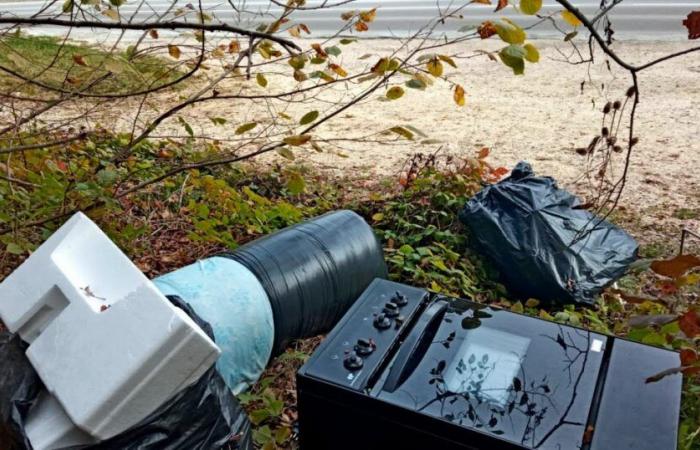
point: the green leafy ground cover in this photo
(195, 214)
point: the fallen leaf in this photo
(501, 4)
(689, 324)
(675, 267)
(79, 60)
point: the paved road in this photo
(634, 19)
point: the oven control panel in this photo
(363, 339)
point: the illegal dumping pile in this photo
(120, 363)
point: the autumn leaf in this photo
(338, 70)
(111, 13)
(401, 131)
(448, 60)
(395, 93)
(234, 46)
(319, 50)
(294, 31)
(459, 95)
(531, 53)
(689, 324)
(692, 23)
(79, 60)
(262, 81)
(297, 140)
(368, 16)
(509, 31)
(571, 19)
(484, 152)
(246, 127)
(675, 267)
(435, 68)
(308, 118)
(285, 152)
(153, 33)
(530, 7)
(174, 51)
(690, 360)
(486, 30)
(501, 4)
(361, 26)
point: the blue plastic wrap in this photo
(232, 300)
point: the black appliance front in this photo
(406, 369)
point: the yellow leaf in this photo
(395, 93)
(530, 7)
(111, 13)
(448, 60)
(531, 53)
(246, 127)
(368, 16)
(378, 217)
(286, 153)
(260, 78)
(459, 95)
(297, 140)
(234, 46)
(339, 70)
(174, 51)
(294, 31)
(434, 66)
(571, 19)
(401, 131)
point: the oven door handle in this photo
(415, 345)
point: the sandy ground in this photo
(540, 117)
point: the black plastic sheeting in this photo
(204, 416)
(314, 271)
(528, 227)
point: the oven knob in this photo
(364, 347)
(391, 309)
(382, 322)
(353, 362)
(399, 299)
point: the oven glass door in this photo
(521, 379)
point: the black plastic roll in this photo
(313, 272)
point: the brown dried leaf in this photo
(501, 4)
(692, 23)
(675, 267)
(689, 324)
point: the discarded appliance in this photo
(412, 370)
(107, 345)
(543, 245)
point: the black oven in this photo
(406, 369)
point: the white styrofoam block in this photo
(48, 427)
(106, 343)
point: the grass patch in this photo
(72, 66)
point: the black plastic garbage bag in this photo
(204, 416)
(528, 228)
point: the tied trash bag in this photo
(528, 228)
(204, 416)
